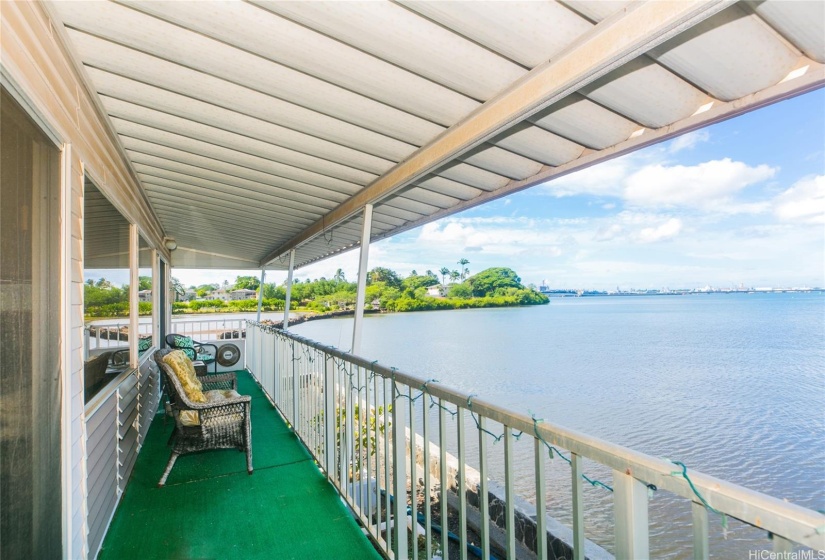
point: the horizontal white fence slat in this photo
(210, 329)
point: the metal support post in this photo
(261, 294)
(156, 340)
(170, 299)
(289, 287)
(362, 280)
(630, 513)
(134, 279)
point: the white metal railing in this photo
(210, 329)
(358, 419)
(115, 335)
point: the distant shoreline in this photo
(575, 293)
(306, 315)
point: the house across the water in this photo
(242, 294)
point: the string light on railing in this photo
(551, 449)
(683, 473)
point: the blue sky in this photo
(742, 201)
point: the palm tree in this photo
(339, 276)
(444, 273)
(177, 287)
(465, 271)
(454, 275)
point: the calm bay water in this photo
(732, 385)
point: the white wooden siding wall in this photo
(149, 396)
(40, 69)
(77, 420)
(101, 468)
(127, 430)
(115, 433)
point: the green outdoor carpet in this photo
(211, 508)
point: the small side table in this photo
(200, 367)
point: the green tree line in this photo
(386, 289)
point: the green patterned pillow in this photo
(186, 344)
(144, 343)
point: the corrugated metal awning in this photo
(258, 127)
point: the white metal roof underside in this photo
(251, 125)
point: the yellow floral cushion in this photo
(221, 395)
(183, 369)
(191, 417)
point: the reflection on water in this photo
(732, 385)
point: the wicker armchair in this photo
(194, 350)
(223, 424)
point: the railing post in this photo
(578, 506)
(700, 532)
(630, 513)
(399, 470)
(442, 461)
(276, 356)
(509, 493)
(783, 548)
(329, 416)
(295, 379)
(541, 499)
(256, 358)
(462, 482)
(483, 495)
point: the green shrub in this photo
(208, 304)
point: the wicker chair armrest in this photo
(220, 381)
(229, 407)
(215, 405)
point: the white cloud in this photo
(710, 186)
(667, 230)
(638, 228)
(643, 182)
(491, 236)
(603, 179)
(608, 233)
(804, 202)
(688, 141)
